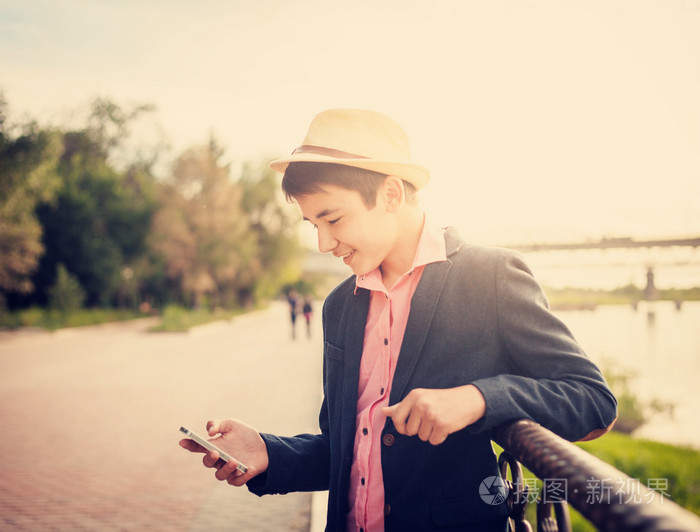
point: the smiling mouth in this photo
(346, 256)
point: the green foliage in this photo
(66, 294)
(100, 218)
(28, 158)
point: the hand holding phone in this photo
(211, 447)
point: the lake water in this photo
(659, 347)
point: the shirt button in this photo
(381, 392)
(386, 341)
(387, 509)
(364, 431)
(388, 440)
(362, 480)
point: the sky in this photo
(539, 120)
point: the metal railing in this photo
(582, 480)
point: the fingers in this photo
(416, 416)
(424, 431)
(437, 438)
(211, 458)
(228, 471)
(236, 478)
(237, 439)
(415, 425)
(192, 446)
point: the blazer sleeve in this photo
(552, 381)
(297, 463)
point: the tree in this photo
(274, 226)
(28, 158)
(200, 229)
(99, 221)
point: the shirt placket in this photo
(380, 383)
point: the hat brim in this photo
(415, 174)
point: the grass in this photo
(179, 319)
(679, 467)
(53, 319)
(646, 459)
(174, 318)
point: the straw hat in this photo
(360, 138)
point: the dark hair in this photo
(304, 178)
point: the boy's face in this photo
(360, 236)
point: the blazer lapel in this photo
(354, 342)
(423, 306)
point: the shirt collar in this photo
(431, 248)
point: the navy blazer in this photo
(481, 318)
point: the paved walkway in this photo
(89, 422)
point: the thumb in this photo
(213, 427)
(219, 426)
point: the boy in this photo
(427, 347)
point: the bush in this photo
(66, 294)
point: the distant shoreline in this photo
(589, 299)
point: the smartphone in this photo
(208, 445)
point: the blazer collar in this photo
(453, 242)
(423, 305)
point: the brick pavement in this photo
(90, 421)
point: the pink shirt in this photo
(384, 330)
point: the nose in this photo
(326, 242)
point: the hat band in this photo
(329, 152)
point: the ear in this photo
(393, 193)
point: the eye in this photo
(333, 222)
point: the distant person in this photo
(428, 347)
(308, 310)
(293, 300)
